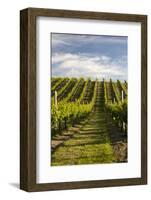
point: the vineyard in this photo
(88, 121)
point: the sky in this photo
(95, 56)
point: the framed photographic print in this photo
(83, 93)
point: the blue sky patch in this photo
(75, 55)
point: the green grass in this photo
(86, 154)
(90, 145)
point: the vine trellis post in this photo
(123, 124)
(122, 96)
(55, 100)
(56, 106)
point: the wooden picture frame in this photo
(28, 98)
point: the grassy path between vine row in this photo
(96, 141)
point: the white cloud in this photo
(57, 42)
(77, 65)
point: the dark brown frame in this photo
(28, 98)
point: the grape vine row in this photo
(76, 99)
